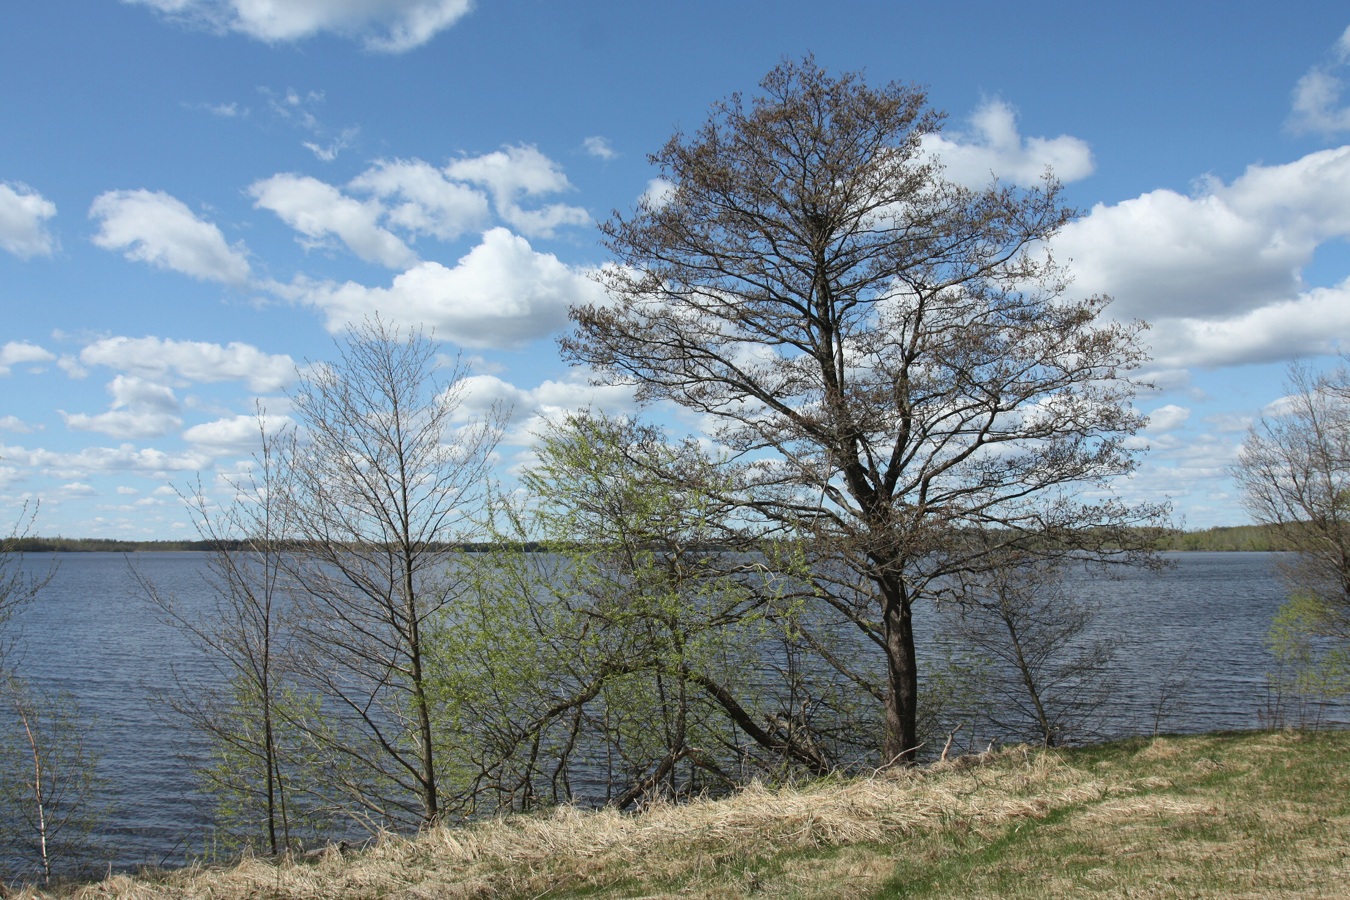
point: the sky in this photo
(198, 196)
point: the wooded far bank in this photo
(1221, 538)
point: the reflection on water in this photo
(1198, 629)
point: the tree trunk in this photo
(901, 745)
(431, 810)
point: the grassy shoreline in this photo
(1259, 814)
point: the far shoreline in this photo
(1221, 538)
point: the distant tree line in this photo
(1253, 538)
(33, 544)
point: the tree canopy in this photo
(891, 357)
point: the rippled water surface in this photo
(93, 633)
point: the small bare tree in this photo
(385, 475)
(256, 768)
(18, 586)
(1294, 470)
(1049, 676)
(48, 776)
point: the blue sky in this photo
(195, 195)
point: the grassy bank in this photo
(1236, 815)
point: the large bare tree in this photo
(894, 357)
(385, 476)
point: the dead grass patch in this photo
(1177, 817)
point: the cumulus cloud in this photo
(390, 26)
(1311, 324)
(514, 173)
(1167, 418)
(599, 147)
(140, 409)
(15, 353)
(502, 293)
(318, 210)
(15, 424)
(234, 435)
(423, 200)
(659, 192)
(531, 408)
(1317, 105)
(193, 361)
(415, 198)
(1222, 252)
(23, 221)
(71, 366)
(153, 227)
(992, 147)
(123, 458)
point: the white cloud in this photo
(153, 227)
(659, 192)
(599, 147)
(390, 26)
(298, 109)
(532, 408)
(992, 147)
(329, 152)
(15, 353)
(317, 210)
(426, 201)
(194, 361)
(124, 458)
(1164, 378)
(1317, 103)
(416, 198)
(514, 173)
(1314, 323)
(23, 217)
(1219, 273)
(15, 424)
(1167, 418)
(71, 366)
(501, 294)
(235, 435)
(140, 409)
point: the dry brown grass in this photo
(1240, 816)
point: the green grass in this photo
(1219, 816)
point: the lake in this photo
(1199, 628)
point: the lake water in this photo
(92, 633)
